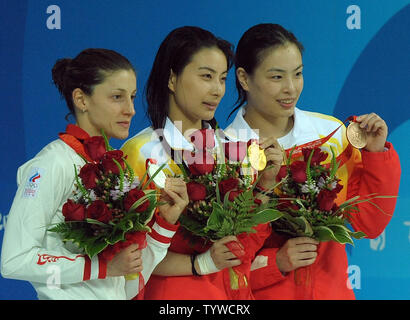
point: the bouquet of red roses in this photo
(222, 200)
(110, 207)
(220, 185)
(306, 196)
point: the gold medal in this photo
(257, 157)
(356, 135)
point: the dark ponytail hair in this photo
(174, 53)
(252, 47)
(88, 69)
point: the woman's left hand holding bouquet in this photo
(176, 199)
(127, 261)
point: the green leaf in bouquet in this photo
(358, 235)
(323, 233)
(125, 224)
(140, 227)
(300, 203)
(79, 236)
(146, 216)
(305, 225)
(192, 225)
(140, 201)
(216, 218)
(93, 248)
(116, 237)
(247, 174)
(338, 233)
(289, 157)
(265, 216)
(225, 229)
(179, 162)
(347, 205)
(93, 221)
(121, 171)
(294, 226)
(334, 165)
(289, 224)
(308, 174)
(107, 143)
(130, 171)
(243, 225)
(153, 176)
(69, 233)
(61, 227)
(341, 233)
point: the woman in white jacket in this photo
(99, 87)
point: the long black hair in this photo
(174, 53)
(88, 69)
(252, 46)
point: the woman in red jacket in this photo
(269, 82)
(186, 84)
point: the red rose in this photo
(338, 188)
(284, 204)
(203, 138)
(298, 170)
(233, 194)
(108, 163)
(98, 210)
(325, 199)
(89, 175)
(200, 163)
(73, 211)
(317, 157)
(95, 147)
(196, 191)
(236, 151)
(227, 185)
(132, 196)
(283, 171)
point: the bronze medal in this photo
(257, 157)
(356, 135)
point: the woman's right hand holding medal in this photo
(175, 196)
(376, 130)
(274, 159)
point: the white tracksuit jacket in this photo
(57, 270)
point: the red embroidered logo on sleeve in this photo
(45, 258)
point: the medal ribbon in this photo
(73, 137)
(297, 151)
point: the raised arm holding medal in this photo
(269, 82)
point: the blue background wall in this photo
(347, 71)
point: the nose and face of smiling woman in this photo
(274, 87)
(269, 79)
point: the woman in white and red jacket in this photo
(269, 82)
(99, 86)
